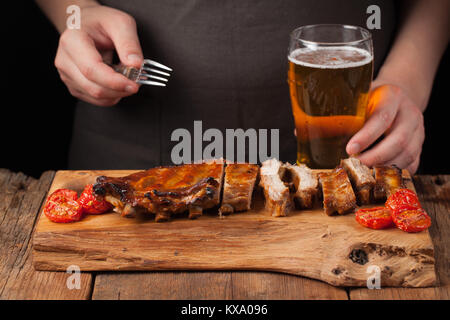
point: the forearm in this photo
(418, 48)
(55, 10)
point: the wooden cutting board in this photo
(334, 249)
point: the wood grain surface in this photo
(434, 195)
(336, 250)
(20, 200)
(240, 285)
(21, 281)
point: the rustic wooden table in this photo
(22, 196)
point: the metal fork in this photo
(146, 74)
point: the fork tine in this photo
(153, 77)
(156, 71)
(157, 64)
(152, 83)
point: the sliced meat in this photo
(162, 216)
(306, 185)
(338, 195)
(238, 186)
(388, 179)
(125, 209)
(361, 179)
(276, 193)
(195, 212)
(165, 190)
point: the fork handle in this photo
(123, 69)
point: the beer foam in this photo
(328, 63)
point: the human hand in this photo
(392, 114)
(81, 54)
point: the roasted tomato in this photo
(375, 218)
(412, 220)
(403, 199)
(90, 203)
(62, 206)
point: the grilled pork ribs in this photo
(306, 185)
(338, 195)
(278, 198)
(240, 179)
(165, 190)
(387, 181)
(361, 179)
(195, 187)
(171, 190)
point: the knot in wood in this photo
(358, 256)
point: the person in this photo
(229, 61)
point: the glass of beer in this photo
(329, 76)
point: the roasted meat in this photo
(388, 179)
(124, 208)
(165, 190)
(338, 195)
(305, 183)
(361, 179)
(238, 187)
(276, 193)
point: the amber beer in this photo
(329, 89)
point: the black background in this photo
(37, 109)
(277, 309)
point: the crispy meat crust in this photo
(338, 195)
(387, 181)
(239, 183)
(166, 190)
(278, 200)
(306, 185)
(361, 179)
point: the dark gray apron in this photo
(230, 69)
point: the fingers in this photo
(395, 115)
(410, 155)
(77, 83)
(386, 107)
(80, 49)
(99, 98)
(98, 102)
(72, 76)
(79, 93)
(399, 136)
(402, 145)
(81, 65)
(123, 33)
(412, 168)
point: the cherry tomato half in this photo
(412, 220)
(403, 199)
(90, 203)
(62, 206)
(375, 218)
